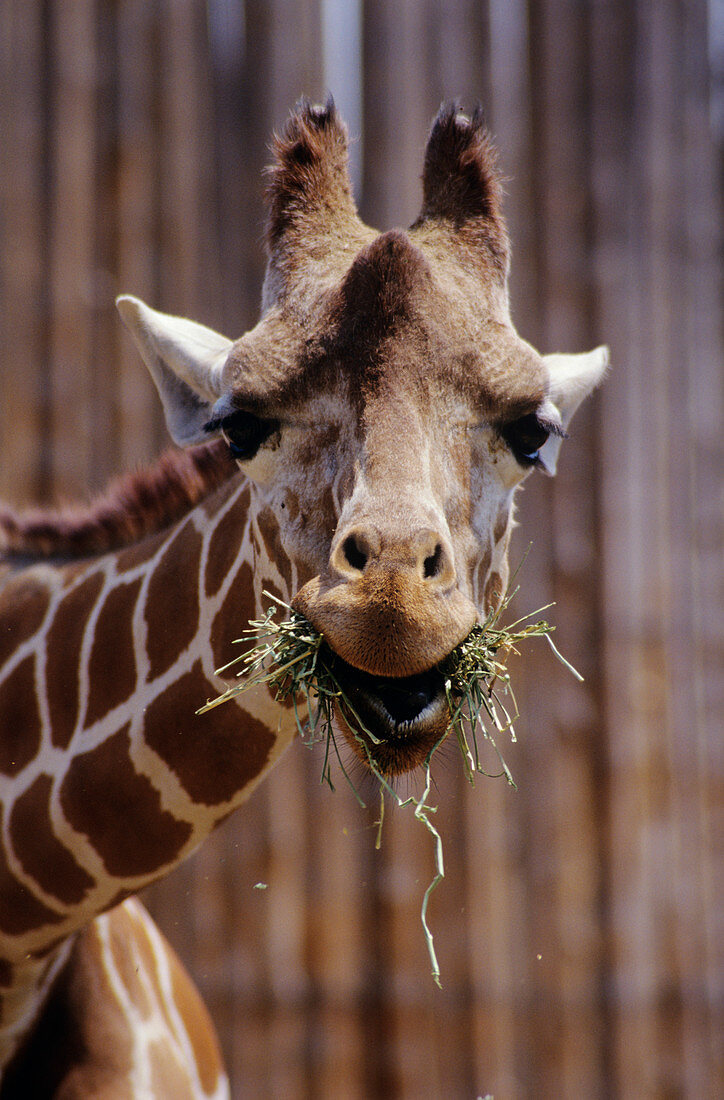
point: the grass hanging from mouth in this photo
(291, 658)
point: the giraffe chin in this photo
(392, 723)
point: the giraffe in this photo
(356, 453)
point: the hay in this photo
(291, 658)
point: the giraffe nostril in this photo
(433, 564)
(354, 554)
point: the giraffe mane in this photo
(133, 507)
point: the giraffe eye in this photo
(525, 437)
(245, 433)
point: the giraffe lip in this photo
(394, 708)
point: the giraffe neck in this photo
(108, 779)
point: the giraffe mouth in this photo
(392, 721)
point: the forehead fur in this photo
(391, 324)
(385, 282)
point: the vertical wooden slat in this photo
(238, 40)
(660, 737)
(450, 1024)
(396, 111)
(640, 729)
(614, 136)
(458, 33)
(698, 697)
(342, 72)
(339, 941)
(565, 813)
(287, 930)
(72, 244)
(406, 870)
(137, 261)
(661, 90)
(182, 210)
(494, 905)
(108, 429)
(22, 277)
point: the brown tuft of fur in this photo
(461, 184)
(133, 507)
(310, 169)
(312, 226)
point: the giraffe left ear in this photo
(572, 378)
(185, 360)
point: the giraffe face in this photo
(396, 519)
(385, 410)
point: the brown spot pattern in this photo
(139, 553)
(173, 625)
(104, 797)
(501, 525)
(22, 611)
(112, 665)
(224, 544)
(275, 552)
(214, 755)
(6, 973)
(41, 854)
(19, 719)
(63, 657)
(20, 910)
(493, 591)
(233, 616)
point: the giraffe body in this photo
(101, 779)
(122, 1020)
(381, 416)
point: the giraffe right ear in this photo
(185, 360)
(572, 378)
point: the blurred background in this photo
(577, 925)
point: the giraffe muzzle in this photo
(385, 622)
(390, 609)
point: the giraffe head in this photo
(385, 410)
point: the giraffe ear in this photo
(572, 378)
(185, 360)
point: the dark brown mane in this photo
(134, 506)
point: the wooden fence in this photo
(579, 925)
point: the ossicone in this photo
(309, 168)
(461, 184)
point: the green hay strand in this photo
(292, 660)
